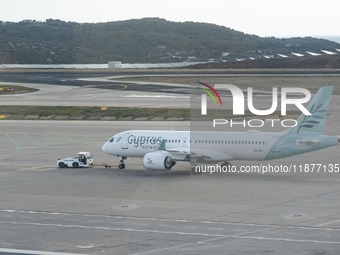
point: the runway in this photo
(89, 89)
(134, 211)
(70, 88)
(120, 96)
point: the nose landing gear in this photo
(122, 165)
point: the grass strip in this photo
(116, 113)
(91, 113)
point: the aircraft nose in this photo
(105, 148)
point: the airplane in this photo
(161, 150)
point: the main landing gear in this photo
(122, 165)
(226, 165)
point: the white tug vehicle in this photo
(84, 159)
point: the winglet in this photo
(162, 146)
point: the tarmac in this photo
(135, 211)
(48, 210)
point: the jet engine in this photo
(158, 160)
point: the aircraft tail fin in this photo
(318, 107)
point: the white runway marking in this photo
(223, 235)
(286, 239)
(327, 223)
(317, 227)
(35, 252)
(111, 228)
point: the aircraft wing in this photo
(201, 154)
(197, 154)
(181, 153)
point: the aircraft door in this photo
(124, 142)
(274, 149)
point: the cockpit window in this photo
(111, 140)
(118, 139)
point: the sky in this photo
(260, 17)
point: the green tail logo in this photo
(318, 107)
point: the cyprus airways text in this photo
(140, 141)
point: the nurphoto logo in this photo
(238, 98)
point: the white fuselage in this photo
(215, 146)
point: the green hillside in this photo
(145, 40)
